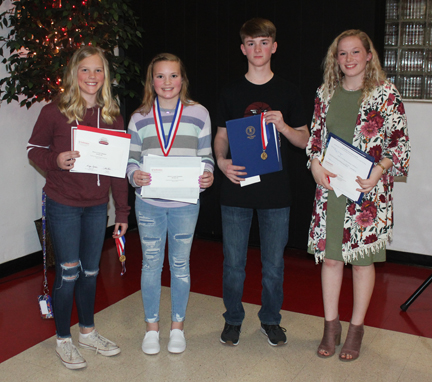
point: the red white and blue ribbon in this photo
(120, 245)
(166, 142)
(264, 137)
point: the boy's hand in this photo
(276, 117)
(298, 136)
(231, 172)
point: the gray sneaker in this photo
(99, 343)
(69, 355)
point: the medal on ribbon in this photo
(167, 142)
(264, 138)
(120, 245)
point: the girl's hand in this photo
(141, 178)
(367, 185)
(122, 227)
(321, 175)
(66, 159)
(206, 179)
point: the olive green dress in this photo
(341, 120)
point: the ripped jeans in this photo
(77, 234)
(153, 224)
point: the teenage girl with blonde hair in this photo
(167, 123)
(356, 103)
(76, 203)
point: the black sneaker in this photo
(275, 333)
(231, 334)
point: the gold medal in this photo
(122, 258)
(264, 141)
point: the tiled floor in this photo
(397, 346)
(386, 355)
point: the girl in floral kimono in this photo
(357, 104)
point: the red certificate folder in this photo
(246, 145)
(102, 151)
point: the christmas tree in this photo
(42, 36)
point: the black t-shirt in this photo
(243, 99)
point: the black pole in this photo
(417, 293)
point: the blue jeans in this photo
(153, 224)
(273, 227)
(77, 235)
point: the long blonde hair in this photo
(333, 76)
(149, 92)
(72, 104)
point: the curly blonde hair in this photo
(72, 104)
(149, 92)
(333, 76)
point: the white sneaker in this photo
(177, 342)
(69, 354)
(99, 343)
(150, 343)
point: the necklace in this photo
(167, 111)
(351, 90)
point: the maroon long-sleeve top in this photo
(51, 136)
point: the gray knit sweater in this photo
(193, 139)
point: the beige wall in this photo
(413, 199)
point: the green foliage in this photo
(49, 31)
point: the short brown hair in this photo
(258, 27)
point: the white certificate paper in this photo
(347, 162)
(173, 178)
(250, 180)
(102, 151)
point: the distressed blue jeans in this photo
(77, 234)
(154, 225)
(273, 228)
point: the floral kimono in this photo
(381, 131)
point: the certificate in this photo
(173, 178)
(102, 151)
(347, 162)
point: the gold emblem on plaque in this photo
(250, 132)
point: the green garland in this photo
(44, 34)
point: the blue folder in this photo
(244, 135)
(367, 156)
